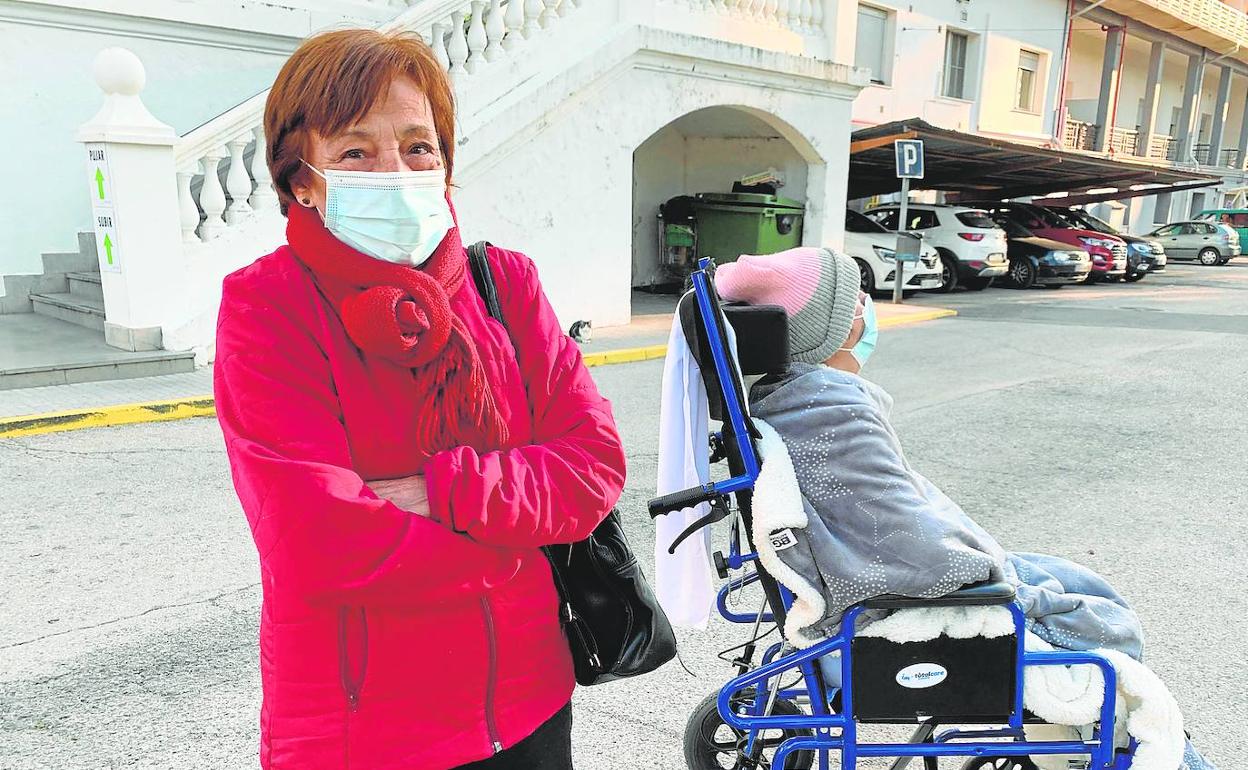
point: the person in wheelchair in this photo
(841, 516)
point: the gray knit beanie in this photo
(818, 288)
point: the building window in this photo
(871, 45)
(1028, 67)
(955, 65)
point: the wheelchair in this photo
(781, 711)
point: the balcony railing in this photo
(1080, 135)
(1126, 141)
(1162, 147)
(1227, 157)
(1123, 141)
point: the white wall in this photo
(998, 31)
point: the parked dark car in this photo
(1036, 261)
(1144, 255)
(1107, 252)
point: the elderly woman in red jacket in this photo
(400, 455)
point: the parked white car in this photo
(972, 248)
(874, 249)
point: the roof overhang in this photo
(983, 167)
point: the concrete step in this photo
(86, 285)
(37, 350)
(72, 308)
(69, 261)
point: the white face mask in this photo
(396, 216)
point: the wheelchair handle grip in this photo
(686, 498)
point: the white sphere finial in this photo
(119, 71)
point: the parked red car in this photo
(1109, 252)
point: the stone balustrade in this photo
(805, 16)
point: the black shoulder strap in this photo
(484, 279)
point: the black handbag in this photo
(609, 613)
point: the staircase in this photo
(554, 98)
(52, 328)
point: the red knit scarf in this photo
(403, 314)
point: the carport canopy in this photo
(984, 168)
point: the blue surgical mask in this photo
(870, 333)
(396, 216)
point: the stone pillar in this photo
(1192, 85)
(1152, 92)
(1220, 107)
(132, 183)
(1110, 77)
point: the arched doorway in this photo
(706, 151)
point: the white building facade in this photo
(577, 118)
(1163, 80)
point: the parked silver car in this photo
(1208, 242)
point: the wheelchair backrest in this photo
(762, 333)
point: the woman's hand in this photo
(408, 493)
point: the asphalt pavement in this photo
(1102, 423)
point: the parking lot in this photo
(1186, 295)
(1102, 423)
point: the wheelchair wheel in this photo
(712, 745)
(999, 763)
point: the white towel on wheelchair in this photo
(684, 582)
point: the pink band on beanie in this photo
(788, 278)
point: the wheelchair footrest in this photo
(950, 680)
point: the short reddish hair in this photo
(333, 79)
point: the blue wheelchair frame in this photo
(822, 720)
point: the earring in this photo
(307, 201)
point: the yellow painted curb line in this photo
(203, 406)
(105, 416)
(914, 318)
(624, 355)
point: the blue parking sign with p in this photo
(909, 158)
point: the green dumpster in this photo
(732, 224)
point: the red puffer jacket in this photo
(389, 640)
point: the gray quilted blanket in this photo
(863, 522)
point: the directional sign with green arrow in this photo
(100, 174)
(107, 244)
